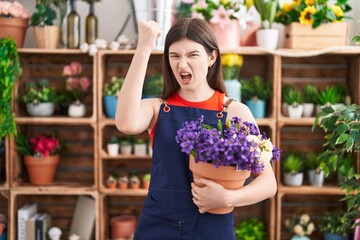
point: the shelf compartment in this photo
(60, 205)
(296, 203)
(36, 67)
(77, 161)
(4, 164)
(112, 206)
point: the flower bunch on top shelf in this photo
(39, 146)
(77, 86)
(218, 11)
(231, 65)
(300, 225)
(13, 10)
(312, 12)
(238, 143)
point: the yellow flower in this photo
(249, 3)
(305, 16)
(337, 11)
(296, 2)
(231, 60)
(309, 2)
(287, 7)
(224, 2)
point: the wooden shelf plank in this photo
(125, 157)
(55, 120)
(125, 192)
(296, 121)
(311, 190)
(49, 51)
(58, 189)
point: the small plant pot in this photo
(111, 185)
(295, 111)
(331, 236)
(316, 178)
(125, 149)
(123, 227)
(146, 184)
(77, 109)
(40, 109)
(308, 109)
(294, 180)
(123, 185)
(267, 38)
(285, 109)
(257, 107)
(110, 103)
(41, 170)
(113, 149)
(140, 149)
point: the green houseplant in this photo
(293, 166)
(251, 229)
(109, 95)
(153, 86)
(146, 180)
(10, 70)
(294, 99)
(256, 91)
(341, 124)
(40, 98)
(335, 223)
(46, 34)
(314, 167)
(309, 96)
(113, 146)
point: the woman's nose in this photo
(183, 62)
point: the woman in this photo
(175, 207)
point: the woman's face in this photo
(190, 62)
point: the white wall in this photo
(112, 14)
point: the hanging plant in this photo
(10, 70)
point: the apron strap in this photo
(224, 107)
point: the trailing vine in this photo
(10, 70)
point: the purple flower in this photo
(237, 143)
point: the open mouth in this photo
(186, 77)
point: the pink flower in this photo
(188, 1)
(197, 15)
(15, 10)
(72, 83)
(67, 71)
(221, 16)
(84, 83)
(200, 4)
(76, 68)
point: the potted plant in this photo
(40, 99)
(77, 87)
(8, 75)
(226, 27)
(256, 91)
(123, 181)
(111, 182)
(125, 146)
(335, 225)
(231, 66)
(300, 226)
(251, 229)
(284, 92)
(153, 86)
(315, 172)
(309, 93)
(109, 95)
(292, 168)
(46, 34)
(14, 20)
(266, 36)
(237, 148)
(140, 146)
(294, 100)
(327, 97)
(41, 156)
(146, 180)
(113, 146)
(305, 23)
(341, 124)
(134, 181)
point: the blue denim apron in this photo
(169, 212)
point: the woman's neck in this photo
(197, 95)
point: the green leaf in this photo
(341, 128)
(342, 139)
(349, 144)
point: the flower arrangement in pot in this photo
(225, 153)
(224, 17)
(231, 66)
(41, 156)
(109, 95)
(300, 226)
(46, 34)
(77, 87)
(14, 20)
(256, 91)
(40, 99)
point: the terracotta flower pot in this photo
(227, 35)
(123, 227)
(15, 28)
(41, 170)
(228, 177)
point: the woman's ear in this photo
(213, 57)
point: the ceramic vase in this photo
(257, 107)
(77, 109)
(227, 35)
(267, 38)
(294, 180)
(233, 89)
(228, 177)
(113, 149)
(40, 109)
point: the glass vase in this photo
(91, 25)
(73, 27)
